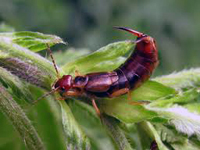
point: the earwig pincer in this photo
(130, 75)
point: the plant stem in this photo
(116, 133)
(20, 121)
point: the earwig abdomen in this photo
(138, 68)
(130, 75)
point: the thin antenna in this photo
(52, 91)
(54, 63)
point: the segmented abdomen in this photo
(137, 69)
(131, 74)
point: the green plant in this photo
(171, 118)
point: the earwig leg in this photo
(72, 93)
(134, 102)
(60, 98)
(120, 92)
(96, 107)
(129, 96)
(77, 73)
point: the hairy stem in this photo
(20, 121)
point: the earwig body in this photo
(136, 69)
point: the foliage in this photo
(171, 117)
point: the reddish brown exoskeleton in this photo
(131, 74)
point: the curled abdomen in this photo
(137, 69)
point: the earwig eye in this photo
(62, 89)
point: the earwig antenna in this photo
(45, 95)
(54, 63)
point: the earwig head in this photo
(145, 43)
(64, 83)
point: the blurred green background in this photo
(88, 24)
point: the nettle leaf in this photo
(155, 135)
(106, 58)
(153, 91)
(176, 140)
(92, 125)
(69, 55)
(193, 107)
(183, 79)
(180, 98)
(34, 41)
(113, 127)
(75, 138)
(168, 134)
(130, 111)
(25, 64)
(18, 87)
(184, 121)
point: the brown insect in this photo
(130, 75)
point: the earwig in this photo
(130, 75)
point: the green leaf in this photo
(116, 132)
(69, 55)
(123, 110)
(18, 88)
(34, 41)
(154, 134)
(105, 59)
(25, 64)
(175, 139)
(153, 91)
(183, 120)
(185, 97)
(91, 125)
(169, 134)
(193, 107)
(183, 79)
(75, 138)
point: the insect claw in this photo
(136, 33)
